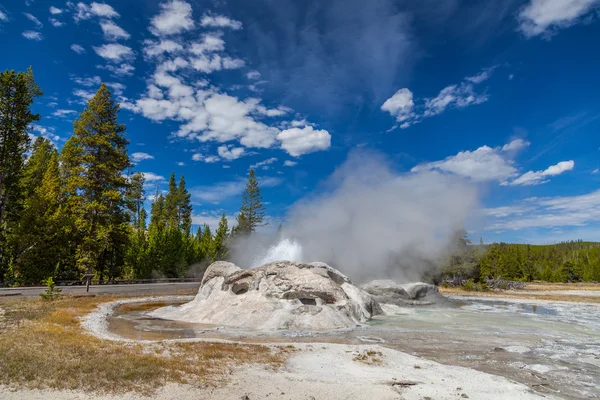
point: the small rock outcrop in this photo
(278, 295)
(390, 292)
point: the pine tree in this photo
(219, 248)
(95, 158)
(17, 93)
(184, 207)
(171, 200)
(42, 236)
(252, 212)
(135, 257)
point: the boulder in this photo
(278, 295)
(390, 292)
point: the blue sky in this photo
(503, 94)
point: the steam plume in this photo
(371, 222)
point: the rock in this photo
(422, 291)
(390, 292)
(278, 295)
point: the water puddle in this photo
(552, 347)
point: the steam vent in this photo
(278, 295)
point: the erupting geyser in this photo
(286, 249)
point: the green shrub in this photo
(52, 292)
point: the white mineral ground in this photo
(292, 295)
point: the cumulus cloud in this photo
(55, 23)
(121, 70)
(219, 21)
(113, 31)
(402, 105)
(299, 141)
(32, 35)
(540, 177)
(55, 10)
(544, 17)
(139, 156)
(77, 48)
(480, 165)
(84, 11)
(204, 158)
(175, 17)
(151, 177)
(157, 48)
(289, 163)
(47, 132)
(3, 16)
(114, 52)
(230, 153)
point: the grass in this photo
(42, 345)
(370, 357)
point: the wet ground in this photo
(551, 347)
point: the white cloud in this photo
(152, 177)
(515, 145)
(230, 152)
(480, 165)
(47, 132)
(459, 96)
(153, 49)
(265, 164)
(114, 52)
(510, 77)
(116, 87)
(55, 11)
(181, 163)
(175, 17)
(83, 11)
(539, 177)
(113, 31)
(206, 159)
(32, 35)
(139, 156)
(55, 23)
(595, 171)
(543, 17)
(298, 141)
(402, 105)
(253, 75)
(84, 95)
(289, 163)
(547, 212)
(63, 113)
(220, 21)
(3, 16)
(87, 81)
(77, 48)
(121, 70)
(33, 19)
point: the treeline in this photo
(574, 261)
(81, 209)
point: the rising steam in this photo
(371, 222)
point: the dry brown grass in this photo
(536, 291)
(370, 357)
(43, 345)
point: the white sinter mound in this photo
(278, 295)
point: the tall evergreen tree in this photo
(252, 212)
(95, 158)
(42, 236)
(17, 93)
(219, 247)
(184, 207)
